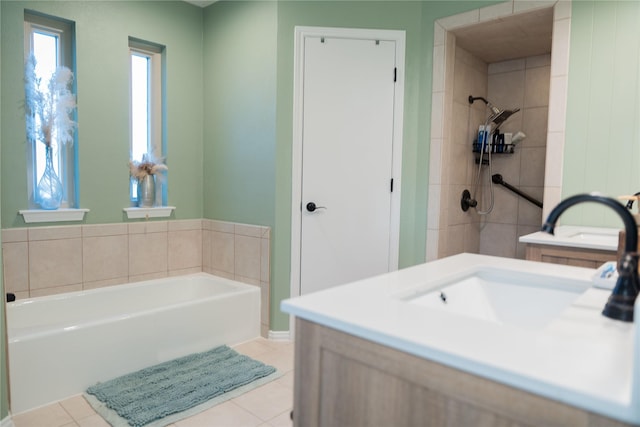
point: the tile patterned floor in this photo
(265, 406)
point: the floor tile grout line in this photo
(59, 403)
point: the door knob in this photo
(311, 207)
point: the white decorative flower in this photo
(48, 113)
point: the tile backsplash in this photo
(51, 260)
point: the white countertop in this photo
(577, 237)
(581, 358)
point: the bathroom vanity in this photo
(573, 245)
(468, 340)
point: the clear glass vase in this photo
(49, 190)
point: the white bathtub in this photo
(59, 345)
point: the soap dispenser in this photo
(636, 216)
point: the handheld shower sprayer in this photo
(498, 117)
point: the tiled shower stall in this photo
(521, 83)
(535, 84)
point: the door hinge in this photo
(395, 74)
(392, 185)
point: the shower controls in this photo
(466, 201)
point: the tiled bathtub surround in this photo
(239, 252)
(42, 261)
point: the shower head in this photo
(497, 116)
(500, 116)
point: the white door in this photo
(347, 156)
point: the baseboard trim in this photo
(7, 422)
(279, 336)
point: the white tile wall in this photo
(55, 263)
(496, 11)
(105, 258)
(457, 167)
(16, 267)
(240, 252)
(50, 260)
(148, 253)
(542, 120)
(525, 84)
(522, 83)
(460, 20)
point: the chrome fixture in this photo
(622, 299)
(497, 116)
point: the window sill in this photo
(57, 215)
(155, 212)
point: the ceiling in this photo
(517, 36)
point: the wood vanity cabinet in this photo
(579, 257)
(342, 380)
(621, 238)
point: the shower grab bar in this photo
(497, 178)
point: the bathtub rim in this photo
(240, 288)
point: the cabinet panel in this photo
(590, 258)
(342, 380)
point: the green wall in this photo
(602, 147)
(4, 383)
(239, 111)
(102, 32)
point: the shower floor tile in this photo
(265, 406)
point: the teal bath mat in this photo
(164, 393)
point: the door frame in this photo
(301, 33)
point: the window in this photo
(50, 41)
(146, 142)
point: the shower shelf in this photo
(496, 148)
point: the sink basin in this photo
(533, 326)
(576, 236)
(523, 300)
(598, 237)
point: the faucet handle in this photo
(620, 304)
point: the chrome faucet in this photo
(624, 294)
